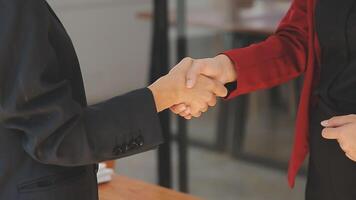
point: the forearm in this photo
(38, 103)
(116, 128)
(267, 64)
(280, 58)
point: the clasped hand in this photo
(192, 86)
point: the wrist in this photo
(228, 68)
(164, 94)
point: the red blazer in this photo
(292, 51)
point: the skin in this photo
(219, 68)
(170, 90)
(343, 130)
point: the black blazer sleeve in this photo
(39, 107)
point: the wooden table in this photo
(123, 188)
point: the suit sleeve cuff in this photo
(144, 113)
(242, 60)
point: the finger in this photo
(198, 114)
(196, 106)
(192, 74)
(212, 102)
(350, 157)
(177, 109)
(185, 113)
(219, 89)
(173, 111)
(205, 108)
(330, 133)
(339, 121)
(188, 117)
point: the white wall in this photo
(112, 44)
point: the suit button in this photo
(125, 147)
(117, 150)
(133, 145)
(139, 140)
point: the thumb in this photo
(330, 133)
(192, 74)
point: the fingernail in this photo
(324, 123)
(189, 83)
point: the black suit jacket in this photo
(49, 138)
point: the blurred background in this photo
(238, 150)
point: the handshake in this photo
(193, 85)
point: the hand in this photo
(170, 90)
(342, 129)
(219, 68)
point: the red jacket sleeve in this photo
(280, 58)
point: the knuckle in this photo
(198, 64)
(188, 59)
(197, 114)
(351, 156)
(181, 107)
(225, 92)
(213, 100)
(201, 62)
(209, 96)
(174, 110)
(201, 106)
(185, 113)
(213, 103)
(196, 109)
(345, 148)
(177, 107)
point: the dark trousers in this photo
(331, 175)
